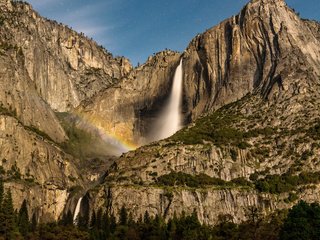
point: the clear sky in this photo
(138, 28)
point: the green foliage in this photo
(243, 145)
(286, 182)
(303, 222)
(14, 172)
(261, 151)
(53, 231)
(13, 113)
(314, 132)
(1, 193)
(6, 111)
(38, 132)
(80, 143)
(306, 154)
(268, 131)
(292, 197)
(67, 219)
(123, 216)
(8, 225)
(201, 180)
(214, 128)
(220, 129)
(233, 154)
(23, 219)
(7, 46)
(2, 19)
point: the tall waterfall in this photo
(76, 212)
(169, 121)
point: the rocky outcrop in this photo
(35, 169)
(263, 49)
(128, 109)
(269, 59)
(45, 67)
(257, 50)
(266, 56)
(210, 204)
(20, 97)
(65, 66)
(32, 164)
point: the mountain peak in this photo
(267, 1)
(262, 5)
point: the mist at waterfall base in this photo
(169, 120)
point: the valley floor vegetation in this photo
(301, 222)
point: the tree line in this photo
(300, 222)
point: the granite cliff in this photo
(252, 86)
(45, 68)
(252, 51)
(250, 106)
(65, 66)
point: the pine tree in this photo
(83, 219)
(123, 216)
(302, 222)
(106, 225)
(99, 219)
(1, 193)
(146, 218)
(7, 221)
(113, 223)
(23, 219)
(131, 221)
(93, 222)
(34, 222)
(171, 229)
(67, 219)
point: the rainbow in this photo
(118, 144)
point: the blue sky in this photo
(138, 28)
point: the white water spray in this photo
(76, 212)
(169, 121)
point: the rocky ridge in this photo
(45, 67)
(266, 61)
(65, 66)
(32, 163)
(247, 53)
(128, 109)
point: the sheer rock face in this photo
(211, 204)
(259, 49)
(35, 168)
(44, 67)
(265, 48)
(20, 97)
(128, 109)
(65, 66)
(266, 53)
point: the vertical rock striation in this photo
(65, 66)
(267, 58)
(256, 50)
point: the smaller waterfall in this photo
(169, 121)
(76, 212)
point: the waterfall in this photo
(76, 212)
(169, 121)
